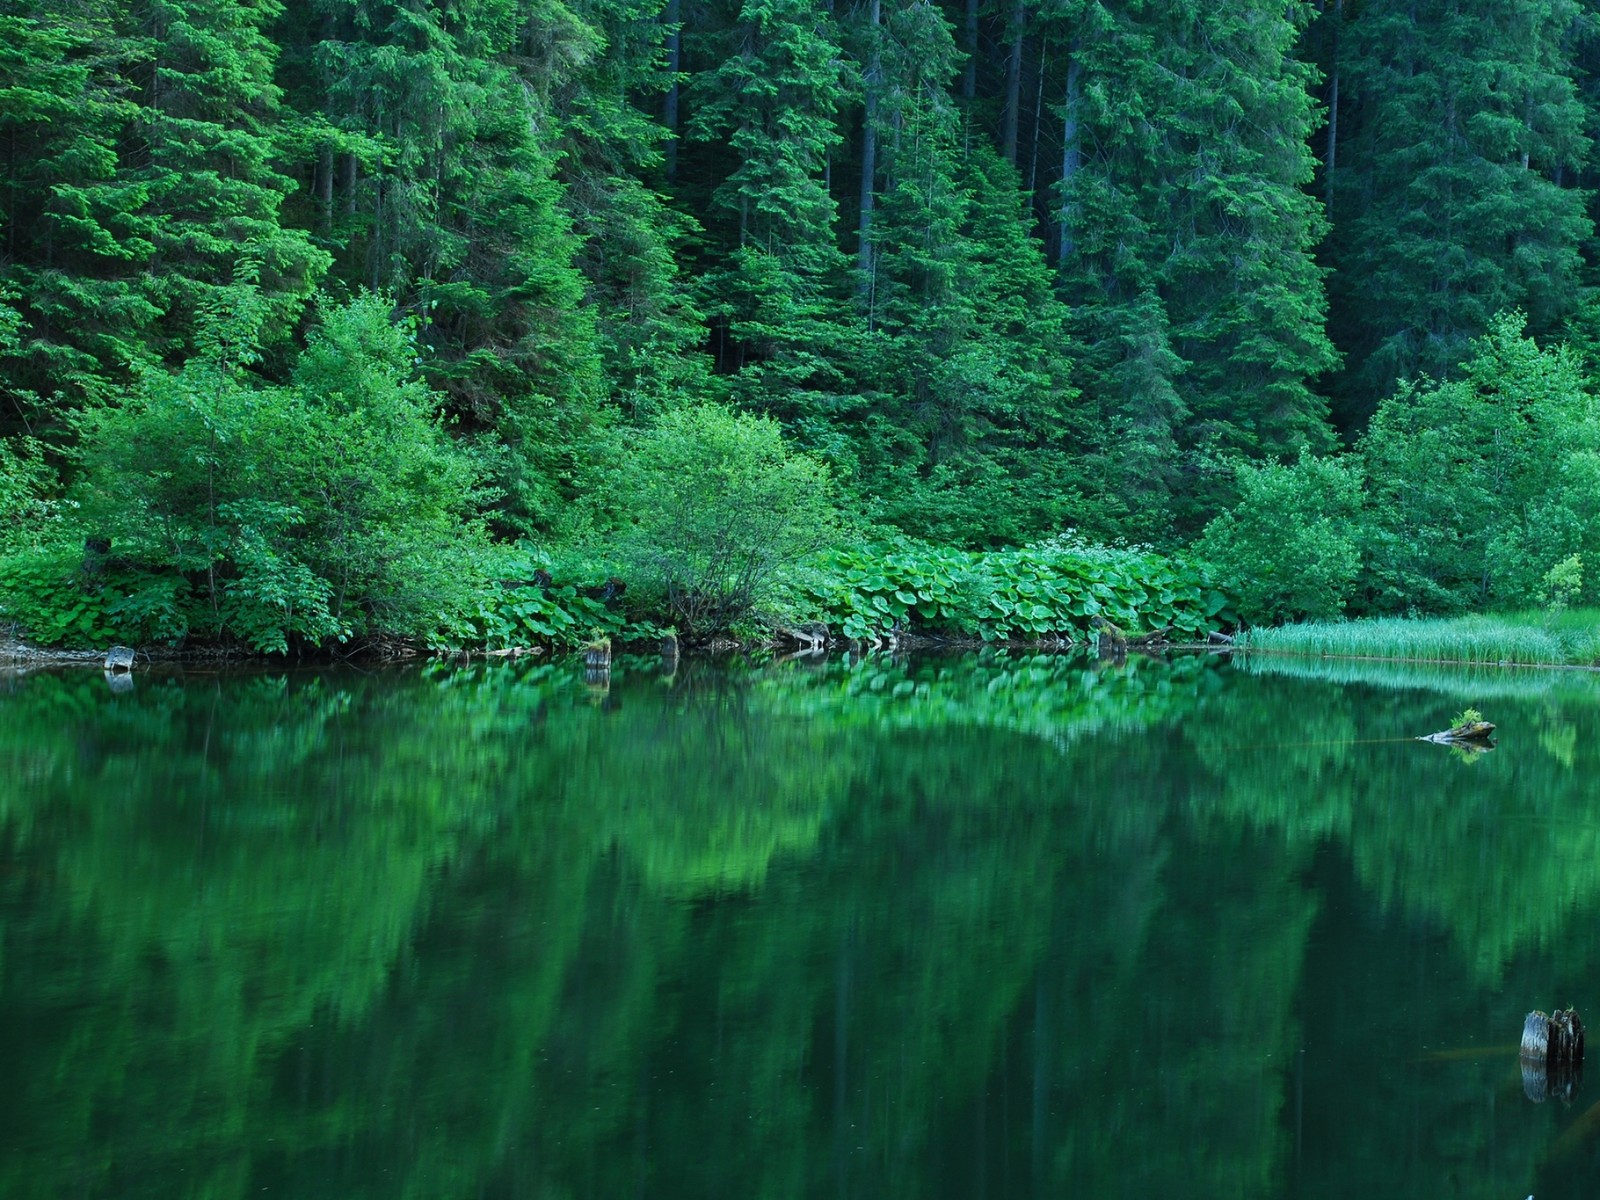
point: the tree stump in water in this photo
(1554, 1038)
(1552, 1055)
(598, 653)
(119, 658)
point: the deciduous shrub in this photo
(331, 508)
(715, 507)
(1290, 548)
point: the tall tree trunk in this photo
(1071, 155)
(969, 78)
(324, 190)
(669, 105)
(1038, 123)
(1331, 160)
(1008, 120)
(869, 148)
(351, 169)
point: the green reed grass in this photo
(1570, 638)
(1479, 681)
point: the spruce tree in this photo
(443, 193)
(1186, 239)
(144, 178)
(611, 159)
(70, 266)
(777, 296)
(974, 434)
(1454, 196)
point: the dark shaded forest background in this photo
(1006, 268)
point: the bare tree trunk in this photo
(669, 106)
(1071, 154)
(969, 79)
(1038, 123)
(869, 148)
(351, 167)
(324, 189)
(1331, 159)
(1008, 120)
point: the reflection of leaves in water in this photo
(857, 926)
(1559, 739)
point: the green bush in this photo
(26, 485)
(716, 506)
(513, 611)
(1478, 486)
(1290, 548)
(329, 509)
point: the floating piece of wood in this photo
(1554, 1038)
(1469, 733)
(119, 658)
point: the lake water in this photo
(977, 927)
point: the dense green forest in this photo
(315, 309)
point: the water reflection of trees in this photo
(1035, 924)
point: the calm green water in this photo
(958, 928)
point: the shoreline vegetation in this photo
(1054, 594)
(910, 320)
(1569, 638)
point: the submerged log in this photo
(1474, 733)
(1554, 1038)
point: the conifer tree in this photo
(975, 432)
(1454, 199)
(446, 197)
(143, 176)
(1186, 238)
(652, 334)
(777, 298)
(68, 264)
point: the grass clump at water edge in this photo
(1569, 638)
